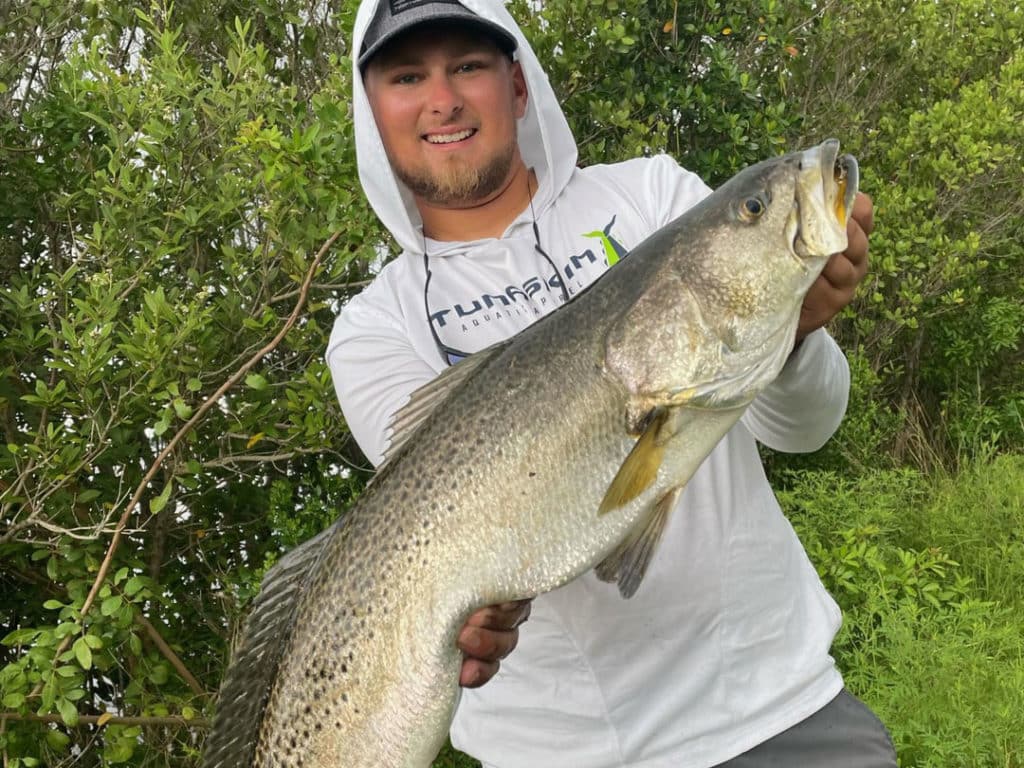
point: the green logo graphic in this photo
(613, 249)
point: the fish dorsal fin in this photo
(641, 466)
(426, 399)
(246, 688)
(628, 563)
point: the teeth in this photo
(448, 138)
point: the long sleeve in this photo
(804, 406)
(375, 369)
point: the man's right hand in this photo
(488, 636)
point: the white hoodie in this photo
(726, 642)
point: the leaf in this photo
(133, 585)
(20, 636)
(158, 503)
(57, 740)
(181, 408)
(68, 712)
(255, 439)
(14, 700)
(94, 641)
(109, 606)
(82, 653)
(256, 381)
(103, 719)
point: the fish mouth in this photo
(826, 187)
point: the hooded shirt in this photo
(726, 643)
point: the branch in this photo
(170, 655)
(258, 458)
(323, 287)
(198, 722)
(209, 403)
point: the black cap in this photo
(396, 16)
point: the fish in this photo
(524, 466)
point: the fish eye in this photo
(752, 208)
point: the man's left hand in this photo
(838, 282)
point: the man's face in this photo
(446, 103)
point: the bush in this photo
(929, 573)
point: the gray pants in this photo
(843, 734)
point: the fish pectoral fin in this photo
(628, 563)
(641, 466)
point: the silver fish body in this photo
(523, 467)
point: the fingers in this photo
(503, 616)
(844, 271)
(475, 672)
(844, 274)
(488, 636)
(838, 281)
(863, 212)
(484, 649)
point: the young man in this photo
(722, 655)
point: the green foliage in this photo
(703, 82)
(164, 199)
(938, 125)
(929, 574)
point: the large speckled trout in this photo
(349, 657)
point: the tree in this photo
(183, 218)
(930, 96)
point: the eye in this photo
(752, 208)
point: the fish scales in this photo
(525, 466)
(445, 545)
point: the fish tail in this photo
(246, 689)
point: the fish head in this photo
(779, 221)
(716, 320)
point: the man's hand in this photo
(837, 283)
(489, 636)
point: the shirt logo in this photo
(504, 301)
(613, 249)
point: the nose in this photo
(443, 97)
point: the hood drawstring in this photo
(450, 355)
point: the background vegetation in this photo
(181, 219)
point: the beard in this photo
(457, 184)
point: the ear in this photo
(519, 94)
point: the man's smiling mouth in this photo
(449, 138)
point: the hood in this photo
(545, 141)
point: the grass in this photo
(929, 572)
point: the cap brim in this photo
(501, 37)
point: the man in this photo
(722, 655)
